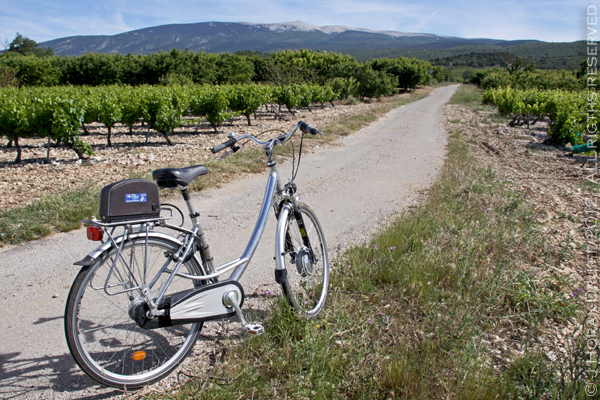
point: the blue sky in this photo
(550, 20)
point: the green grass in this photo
(348, 125)
(496, 118)
(467, 95)
(56, 213)
(416, 313)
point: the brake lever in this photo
(234, 149)
(225, 155)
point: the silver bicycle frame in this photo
(273, 192)
(239, 265)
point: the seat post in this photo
(196, 221)
(188, 201)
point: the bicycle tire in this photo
(306, 282)
(102, 337)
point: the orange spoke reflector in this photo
(139, 355)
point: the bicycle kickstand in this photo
(253, 328)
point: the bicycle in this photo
(138, 304)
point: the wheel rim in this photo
(109, 341)
(307, 276)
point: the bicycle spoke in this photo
(104, 330)
(307, 280)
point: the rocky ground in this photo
(37, 363)
(134, 154)
(554, 182)
(550, 178)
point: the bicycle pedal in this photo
(254, 329)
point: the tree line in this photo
(50, 96)
(477, 59)
(527, 76)
(24, 69)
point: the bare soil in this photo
(553, 181)
(548, 177)
(134, 154)
(381, 169)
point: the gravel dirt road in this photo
(352, 188)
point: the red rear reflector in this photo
(94, 233)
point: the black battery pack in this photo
(129, 199)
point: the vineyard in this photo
(529, 96)
(56, 97)
(528, 77)
(138, 149)
(60, 114)
(567, 111)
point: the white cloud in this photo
(424, 21)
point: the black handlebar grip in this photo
(223, 146)
(306, 128)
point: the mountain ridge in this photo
(219, 37)
(328, 29)
(361, 43)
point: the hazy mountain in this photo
(220, 37)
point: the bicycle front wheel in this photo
(305, 260)
(101, 332)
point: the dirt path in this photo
(352, 188)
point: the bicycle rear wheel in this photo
(101, 333)
(307, 277)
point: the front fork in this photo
(281, 274)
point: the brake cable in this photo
(295, 167)
(294, 173)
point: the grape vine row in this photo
(60, 113)
(571, 113)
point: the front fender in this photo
(286, 209)
(95, 254)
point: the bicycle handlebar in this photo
(306, 128)
(223, 146)
(303, 126)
